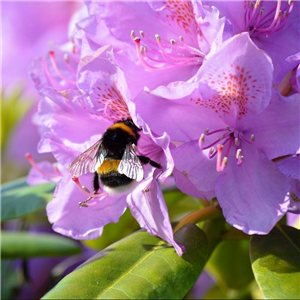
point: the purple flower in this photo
(272, 25)
(240, 124)
(161, 41)
(71, 122)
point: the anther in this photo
(146, 89)
(224, 162)
(142, 33)
(132, 35)
(236, 141)
(66, 57)
(172, 41)
(86, 189)
(181, 38)
(221, 137)
(201, 140)
(206, 130)
(252, 138)
(238, 153)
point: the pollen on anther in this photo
(238, 153)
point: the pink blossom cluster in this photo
(214, 88)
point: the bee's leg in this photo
(147, 160)
(96, 183)
(96, 189)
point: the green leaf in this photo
(20, 199)
(140, 266)
(276, 262)
(11, 279)
(230, 264)
(13, 108)
(26, 245)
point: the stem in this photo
(212, 212)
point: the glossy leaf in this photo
(20, 199)
(26, 245)
(140, 266)
(230, 264)
(276, 262)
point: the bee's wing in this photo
(89, 161)
(130, 165)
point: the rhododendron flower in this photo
(231, 125)
(272, 25)
(71, 122)
(161, 41)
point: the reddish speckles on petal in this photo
(182, 13)
(115, 107)
(232, 91)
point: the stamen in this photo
(165, 55)
(86, 191)
(57, 71)
(67, 61)
(201, 141)
(218, 130)
(35, 166)
(264, 25)
(238, 153)
(212, 152)
(132, 35)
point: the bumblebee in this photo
(113, 159)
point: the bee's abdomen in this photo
(115, 179)
(109, 175)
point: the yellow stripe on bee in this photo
(123, 127)
(109, 165)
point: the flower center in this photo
(228, 137)
(162, 55)
(264, 23)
